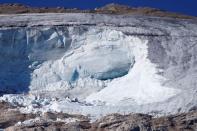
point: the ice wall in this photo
(104, 64)
(52, 58)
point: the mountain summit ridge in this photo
(113, 8)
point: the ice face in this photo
(57, 58)
(38, 58)
(100, 58)
(14, 62)
(130, 64)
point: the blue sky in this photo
(182, 6)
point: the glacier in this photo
(98, 64)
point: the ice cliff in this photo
(133, 63)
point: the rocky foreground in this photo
(13, 120)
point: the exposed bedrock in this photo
(11, 119)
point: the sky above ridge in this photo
(188, 7)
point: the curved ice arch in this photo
(142, 84)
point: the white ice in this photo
(141, 85)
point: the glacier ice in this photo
(97, 55)
(51, 63)
(141, 85)
(130, 64)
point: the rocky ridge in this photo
(16, 8)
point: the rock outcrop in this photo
(141, 122)
(10, 115)
(114, 122)
(14, 120)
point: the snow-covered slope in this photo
(133, 63)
